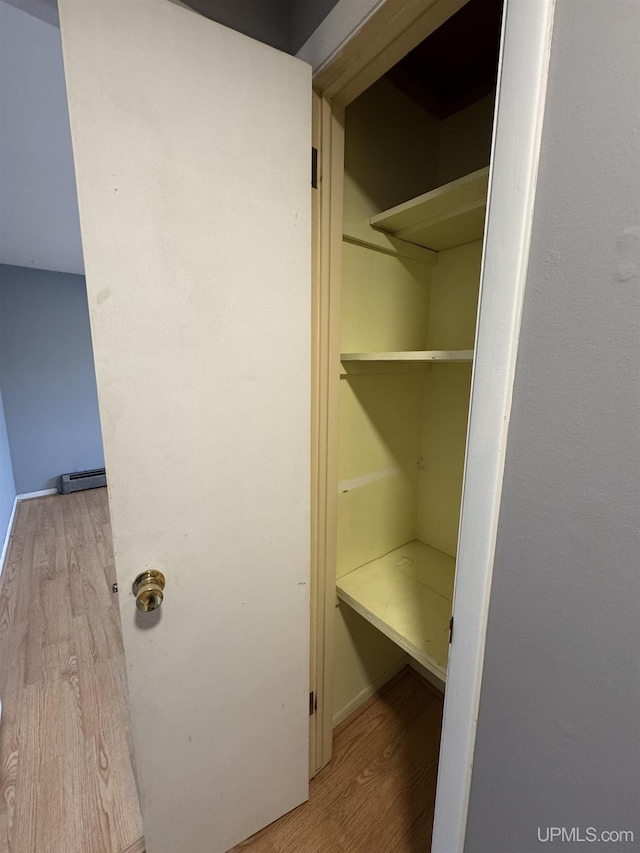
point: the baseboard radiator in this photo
(80, 480)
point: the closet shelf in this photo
(448, 216)
(402, 362)
(411, 355)
(407, 595)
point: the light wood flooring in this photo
(67, 781)
(378, 793)
(66, 776)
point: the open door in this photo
(192, 152)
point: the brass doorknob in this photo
(148, 589)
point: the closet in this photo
(417, 148)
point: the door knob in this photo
(148, 589)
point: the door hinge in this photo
(450, 629)
(313, 703)
(314, 168)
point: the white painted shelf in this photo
(407, 595)
(411, 355)
(377, 362)
(448, 216)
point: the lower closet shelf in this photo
(407, 595)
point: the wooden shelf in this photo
(448, 216)
(407, 595)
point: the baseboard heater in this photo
(80, 480)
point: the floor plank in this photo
(67, 783)
(378, 793)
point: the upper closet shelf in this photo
(448, 216)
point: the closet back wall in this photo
(47, 376)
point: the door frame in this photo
(395, 28)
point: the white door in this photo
(192, 151)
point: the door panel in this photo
(192, 152)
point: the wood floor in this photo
(378, 793)
(66, 777)
(67, 781)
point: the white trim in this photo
(368, 691)
(340, 25)
(523, 74)
(7, 538)
(26, 496)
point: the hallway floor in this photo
(67, 781)
(66, 778)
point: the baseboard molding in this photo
(41, 494)
(368, 691)
(433, 680)
(26, 496)
(7, 538)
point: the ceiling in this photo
(456, 64)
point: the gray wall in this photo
(263, 20)
(47, 376)
(285, 24)
(559, 727)
(39, 222)
(7, 485)
(304, 17)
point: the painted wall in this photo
(46, 10)
(284, 24)
(391, 153)
(345, 18)
(264, 20)
(394, 151)
(557, 742)
(39, 225)
(464, 140)
(381, 123)
(7, 484)
(47, 376)
(303, 18)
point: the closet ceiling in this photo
(455, 65)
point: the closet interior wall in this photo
(402, 427)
